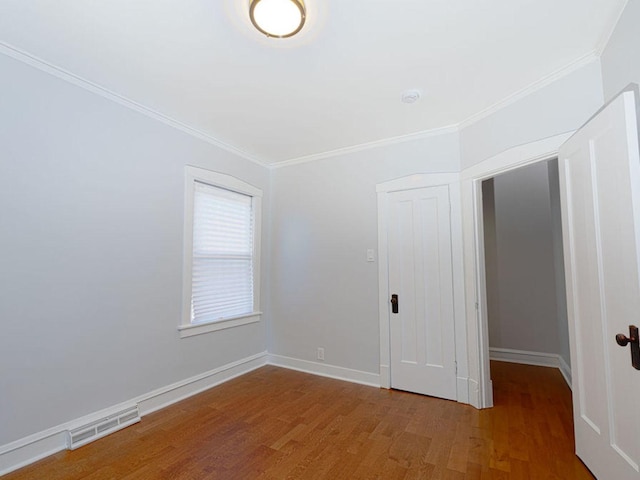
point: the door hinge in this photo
(477, 306)
(456, 365)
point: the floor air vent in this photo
(88, 433)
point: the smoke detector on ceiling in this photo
(410, 96)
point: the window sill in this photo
(200, 328)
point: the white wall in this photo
(523, 255)
(324, 292)
(620, 59)
(91, 221)
(91, 246)
(562, 106)
(527, 305)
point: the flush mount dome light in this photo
(277, 18)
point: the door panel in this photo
(588, 344)
(600, 190)
(420, 272)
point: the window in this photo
(222, 238)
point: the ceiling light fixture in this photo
(278, 18)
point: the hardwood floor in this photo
(279, 424)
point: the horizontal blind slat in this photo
(222, 264)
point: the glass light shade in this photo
(278, 18)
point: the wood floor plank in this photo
(277, 424)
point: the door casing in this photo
(480, 386)
(410, 182)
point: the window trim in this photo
(228, 182)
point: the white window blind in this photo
(223, 245)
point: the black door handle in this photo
(623, 341)
(394, 303)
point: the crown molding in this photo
(610, 28)
(519, 95)
(65, 75)
(535, 86)
(79, 81)
(367, 146)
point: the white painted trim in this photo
(34, 447)
(530, 89)
(474, 393)
(565, 370)
(383, 291)
(223, 180)
(499, 105)
(540, 359)
(385, 376)
(516, 157)
(165, 396)
(191, 176)
(418, 180)
(30, 449)
(324, 370)
(481, 306)
(200, 328)
(477, 323)
(423, 180)
(459, 308)
(462, 390)
(104, 92)
(367, 146)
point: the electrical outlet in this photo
(320, 353)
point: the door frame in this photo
(480, 385)
(411, 182)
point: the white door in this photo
(420, 274)
(600, 194)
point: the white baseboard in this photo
(565, 370)
(385, 376)
(42, 444)
(324, 370)
(474, 394)
(532, 358)
(462, 389)
(30, 449)
(524, 357)
(165, 396)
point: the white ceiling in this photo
(337, 84)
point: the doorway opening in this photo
(524, 267)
